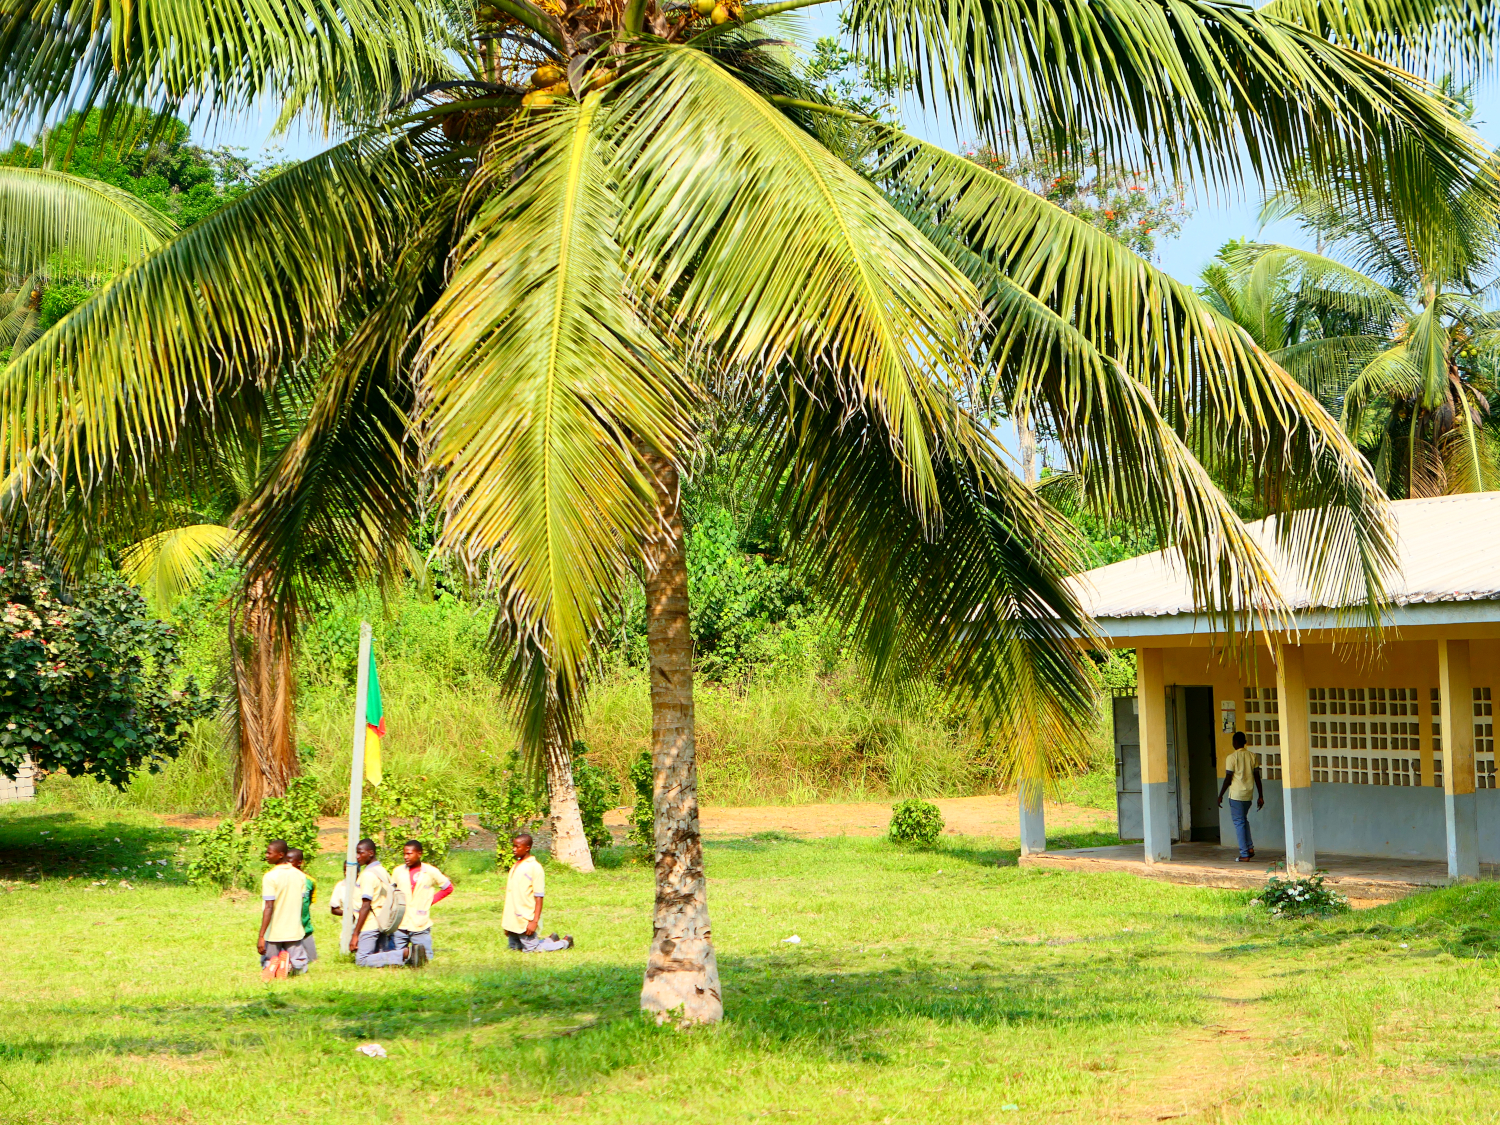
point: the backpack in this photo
(392, 911)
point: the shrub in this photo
(88, 680)
(225, 858)
(513, 800)
(596, 793)
(406, 808)
(643, 813)
(293, 818)
(1300, 898)
(915, 821)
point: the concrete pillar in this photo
(1033, 823)
(1296, 761)
(1455, 686)
(1156, 806)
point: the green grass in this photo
(937, 986)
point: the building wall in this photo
(1396, 821)
(23, 788)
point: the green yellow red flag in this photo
(374, 725)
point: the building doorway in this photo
(1202, 764)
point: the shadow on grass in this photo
(563, 1027)
(63, 844)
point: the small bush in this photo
(225, 858)
(510, 803)
(596, 793)
(643, 813)
(293, 818)
(1300, 898)
(915, 821)
(414, 809)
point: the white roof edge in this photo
(1396, 617)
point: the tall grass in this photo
(783, 734)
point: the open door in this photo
(1202, 763)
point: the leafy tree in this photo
(521, 297)
(86, 678)
(1129, 204)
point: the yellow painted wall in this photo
(1397, 664)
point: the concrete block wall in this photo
(23, 788)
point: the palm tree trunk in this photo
(682, 974)
(569, 844)
(260, 661)
(1026, 439)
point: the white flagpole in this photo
(356, 787)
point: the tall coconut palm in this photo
(524, 300)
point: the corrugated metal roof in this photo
(1449, 551)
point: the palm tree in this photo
(522, 302)
(1397, 342)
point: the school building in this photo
(1367, 750)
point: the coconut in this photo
(545, 76)
(705, 7)
(720, 14)
(537, 99)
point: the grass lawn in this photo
(943, 986)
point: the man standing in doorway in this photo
(280, 940)
(524, 891)
(426, 886)
(1241, 778)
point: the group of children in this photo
(385, 935)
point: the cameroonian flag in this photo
(374, 725)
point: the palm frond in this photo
(1427, 37)
(343, 62)
(982, 604)
(1125, 364)
(83, 225)
(1204, 88)
(169, 564)
(538, 381)
(231, 301)
(771, 248)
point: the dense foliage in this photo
(407, 808)
(86, 678)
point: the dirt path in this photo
(1195, 1074)
(994, 817)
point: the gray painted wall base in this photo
(1157, 803)
(1462, 835)
(1033, 821)
(1297, 814)
(1392, 821)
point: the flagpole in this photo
(356, 787)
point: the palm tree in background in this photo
(1395, 339)
(520, 284)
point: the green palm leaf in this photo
(1118, 358)
(538, 381)
(49, 217)
(171, 563)
(342, 61)
(1197, 86)
(232, 300)
(780, 250)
